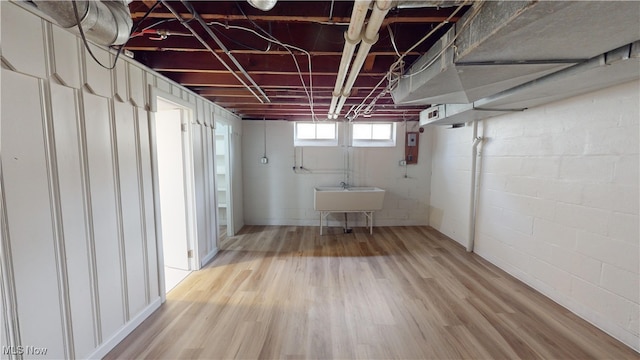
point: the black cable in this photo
(157, 23)
(235, 41)
(86, 44)
(253, 22)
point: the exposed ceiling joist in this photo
(166, 46)
(296, 19)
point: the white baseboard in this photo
(208, 258)
(125, 330)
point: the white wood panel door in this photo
(171, 187)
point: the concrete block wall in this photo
(558, 201)
(276, 195)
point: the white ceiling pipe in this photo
(369, 38)
(352, 37)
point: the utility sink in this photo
(338, 199)
(351, 199)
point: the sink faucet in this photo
(344, 185)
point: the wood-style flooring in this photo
(284, 292)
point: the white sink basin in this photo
(335, 198)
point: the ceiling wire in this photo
(288, 47)
(264, 123)
(241, 44)
(393, 41)
(308, 92)
(331, 11)
(121, 48)
(448, 45)
(397, 64)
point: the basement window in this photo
(315, 134)
(373, 134)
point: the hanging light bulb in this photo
(264, 5)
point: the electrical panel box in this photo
(411, 148)
(412, 139)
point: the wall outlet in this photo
(403, 162)
(264, 160)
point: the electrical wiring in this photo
(394, 74)
(288, 47)
(241, 44)
(158, 23)
(448, 45)
(121, 48)
(393, 40)
(309, 92)
(428, 35)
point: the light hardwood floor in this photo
(401, 293)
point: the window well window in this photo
(315, 134)
(374, 134)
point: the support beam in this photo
(265, 80)
(368, 63)
(302, 19)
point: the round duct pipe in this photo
(104, 22)
(264, 5)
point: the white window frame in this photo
(314, 141)
(391, 142)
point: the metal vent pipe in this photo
(104, 22)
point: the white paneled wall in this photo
(558, 201)
(79, 245)
(275, 195)
(32, 239)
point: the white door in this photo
(171, 188)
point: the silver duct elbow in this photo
(104, 22)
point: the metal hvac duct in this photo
(611, 68)
(498, 45)
(104, 22)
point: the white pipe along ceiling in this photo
(370, 36)
(366, 40)
(352, 38)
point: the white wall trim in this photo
(10, 323)
(56, 215)
(141, 201)
(116, 338)
(88, 211)
(209, 257)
